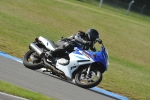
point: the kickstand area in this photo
(46, 70)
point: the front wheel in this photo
(88, 81)
(32, 60)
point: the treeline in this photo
(145, 4)
(139, 3)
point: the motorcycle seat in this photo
(52, 44)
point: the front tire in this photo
(32, 63)
(88, 81)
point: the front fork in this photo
(89, 68)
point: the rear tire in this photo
(31, 65)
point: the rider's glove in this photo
(99, 40)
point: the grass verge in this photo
(17, 91)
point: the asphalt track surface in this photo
(15, 73)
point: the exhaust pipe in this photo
(40, 53)
(53, 69)
(36, 49)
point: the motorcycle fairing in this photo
(100, 56)
(76, 59)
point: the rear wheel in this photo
(32, 60)
(88, 81)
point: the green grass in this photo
(126, 37)
(17, 91)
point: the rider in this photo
(86, 40)
(81, 39)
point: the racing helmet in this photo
(92, 34)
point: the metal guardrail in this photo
(118, 3)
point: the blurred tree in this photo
(139, 3)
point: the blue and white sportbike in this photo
(85, 67)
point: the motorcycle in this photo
(85, 67)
